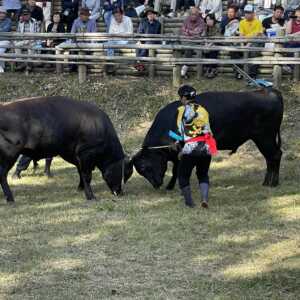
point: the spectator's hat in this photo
(148, 10)
(84, 11)
(25, 12)
(3, 10)
(249, 8)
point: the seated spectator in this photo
(93, 6)
(193, 27)
(83, 23)
(230, 23)
(119, 24)
(35, 11)
(5, 26)
(239, 4)
(26, 24)
(12, 7)
(46, 6)
(56, 26)
(293, 28)
(212, 7)
(149, 25)
(212, 29)
(70, 12)
(230, 27)
(108, 7)
(251, 27)
(277, 18)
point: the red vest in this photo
(295, 26)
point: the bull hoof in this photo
(91, 199)
(204, 204)
(170, 187)
(16, 176)
(49, 175)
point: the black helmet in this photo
(187, 91)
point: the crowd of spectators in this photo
(202, 18)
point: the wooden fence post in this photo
(152, 65)
(297, 68)
(277, 70)
(82, 70)
(199, 66)
(58, 66)
(176, 70)
(246, 66)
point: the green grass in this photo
(147, 244)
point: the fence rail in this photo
(164, 50)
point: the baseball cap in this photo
(249, 8)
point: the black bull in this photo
(235, 118)
(79, 132)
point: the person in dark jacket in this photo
(70, 12)
(148, 25)
(56, 26)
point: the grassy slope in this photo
(147, 245)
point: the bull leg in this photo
(22, 165)
(47, 170)
(172, 182)
(272, 154)
(4, 184)
(86, 178)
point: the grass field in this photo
(147, 244)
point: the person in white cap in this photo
(5, 26)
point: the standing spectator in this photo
(46, 6)
(5, 26)
(70, 12)
(239, 4)
(13, 8)
(26, 24)
(230, 27)
(35, 11)
(193, 27)
(212, 7)
(93, 6)
(251, 27)
(293, 28)
(83, 23)
(277, 18)
(212, 29)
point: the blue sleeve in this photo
(7, 27)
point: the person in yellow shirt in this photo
(250, 27)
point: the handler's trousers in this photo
(186, 166)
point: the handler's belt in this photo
(206, 138)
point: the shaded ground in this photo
(147, 245)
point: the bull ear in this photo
(128, 168)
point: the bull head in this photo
(152, 165)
